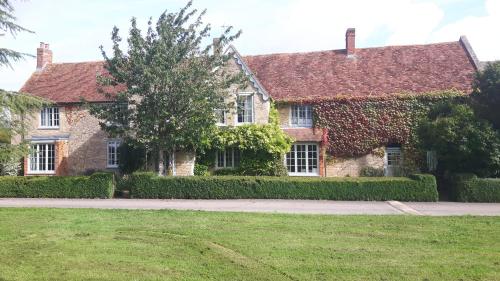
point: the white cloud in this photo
(482, 32)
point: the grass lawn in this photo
(84, 244)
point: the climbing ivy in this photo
(357, 126)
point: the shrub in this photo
(368, 171)
(470, 188)
(462, 142)
(200, 170)
(98, 185)
(414, 188)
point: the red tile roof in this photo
(66, 82)
(372, 72)
(303, 76)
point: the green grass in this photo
(83, 244)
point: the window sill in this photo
(112, 167)
(48, 128)
(303, 174)
(40, 173)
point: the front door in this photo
(393, 159)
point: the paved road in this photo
(270, 206)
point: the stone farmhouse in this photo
(67, 140)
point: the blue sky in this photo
(76, 28)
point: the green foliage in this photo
(200, 170)
(258, 163)
(98, 185)
(371, 172)
(268, 138)
(470, 188)
(463, 143)
(486, 94)
(357, 126)
(165, 88)
(415, 188)
(131, 157)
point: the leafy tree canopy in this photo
(486, 95)
(166, 86)
(463, 143)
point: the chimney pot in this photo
(43, 56)
(350, 42)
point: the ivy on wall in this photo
(357, 126)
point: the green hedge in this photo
(98, 185)
(470, 188)
(414, 188)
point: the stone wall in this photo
(284, 115)
(184, 163)
(342, 167)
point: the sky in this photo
(76, 28)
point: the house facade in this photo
(67, 140)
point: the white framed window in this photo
(113, 153)
(245, 112)
(49, 117)
(393, 160)
(302, 160)
(301, 116)
(228, 158)
(42, 158)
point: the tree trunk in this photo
(171, 163)
(161, 162)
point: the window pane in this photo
(301, 158)
(229, 158)
(245, 109)
(220, 159)
(302, 115)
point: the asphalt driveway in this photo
(270, 206)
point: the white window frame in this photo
(49, 114)
(307, 174)
(225, 166)
(305, 124)
(46, 171)
(245, 94)
(112, 143)
(396, 168)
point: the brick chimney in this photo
(43, 56)
(350, 41)
(217, 46)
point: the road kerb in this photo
(404, 208)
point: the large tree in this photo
(463, 142)
(486, 95)
(165, 88)
(13, 106)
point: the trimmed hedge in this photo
(98, 185)
(470, 188)
(414, 188)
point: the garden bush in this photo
(470, 188)
(98, 185)
(413, 188)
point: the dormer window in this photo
(301, 116)
(245, 108)
(49, 117)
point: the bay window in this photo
(302, 160)
(42, 158)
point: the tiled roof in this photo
(371, 72)
(303, 76)
(66, 82)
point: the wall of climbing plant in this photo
(357, 126)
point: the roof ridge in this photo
(337, 50)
